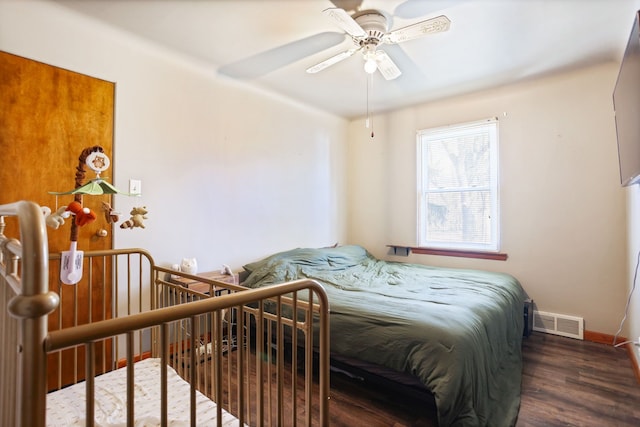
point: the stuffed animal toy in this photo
(56, 219)
(137, 218)
(189, 265)
(109, 214)
(84, 216)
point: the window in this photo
(458, 187)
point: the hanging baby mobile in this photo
(72, 260)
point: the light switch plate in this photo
(135, 186)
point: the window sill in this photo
(497, 256)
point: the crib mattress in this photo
(66, 407)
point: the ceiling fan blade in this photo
(351, 5)
(434, 25)
(387, 67)
(333, 60)
(273, 59)
(412, 9)
(343, 20)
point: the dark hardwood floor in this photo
(565, 382)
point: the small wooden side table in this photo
(198, 286)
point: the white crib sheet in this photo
(66, 407)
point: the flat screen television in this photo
(626, 103)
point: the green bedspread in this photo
(459, 331)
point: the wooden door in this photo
(48, 116)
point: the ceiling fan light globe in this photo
(370, 66)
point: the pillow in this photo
(335, 256)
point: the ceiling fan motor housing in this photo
(370, 28)
(374, 23)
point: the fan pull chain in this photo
(369, 121)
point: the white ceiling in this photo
(271, 43)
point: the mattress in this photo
(66, 407)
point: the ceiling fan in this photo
(369, 29)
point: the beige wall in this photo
(563, 210)
(633, 319)
(229, 173)
(227, 170)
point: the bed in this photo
(153, 353)
(457, 332)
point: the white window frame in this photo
(432, 135)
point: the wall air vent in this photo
(558, 324)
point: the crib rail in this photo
(23, 278)
(115, 283)
(251, 357)
(250, 351)
(263, 413)
(261, 355)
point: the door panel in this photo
(48, 115)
